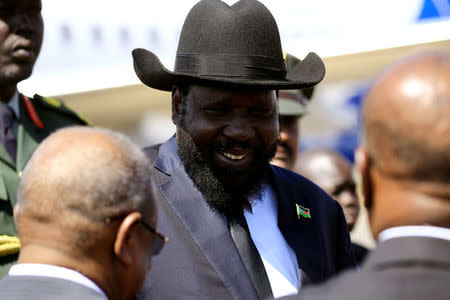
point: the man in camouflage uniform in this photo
(24, 122)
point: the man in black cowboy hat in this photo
(239, 227)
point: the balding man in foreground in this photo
(85, 218)
(405, 168)
(333, 173)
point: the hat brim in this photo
(152, 73)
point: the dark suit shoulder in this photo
(57, 107)
(406, 268)
(412, 282)
(303, 185)
(48, 288)
(359, 252)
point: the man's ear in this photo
(16, 212)
(362, 166)
(127, 238)
(176, 105)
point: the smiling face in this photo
(21, 33)
(234, 132)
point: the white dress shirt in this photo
(417, 231)
(279, 258)
(55, 272)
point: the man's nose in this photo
(240, 130)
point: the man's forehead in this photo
(234, 98)
(21, 3)
(226, 92)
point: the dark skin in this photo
(333, 173)
(289, 140)
(227, 125)
(21, 34)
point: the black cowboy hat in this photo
(236, 45)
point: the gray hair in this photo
(85, 175)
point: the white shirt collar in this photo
(56, 272)
(279, 259)
(414, 231)
(14, 103)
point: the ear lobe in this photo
(362, 165)
(126, 242)
(16, 212)
(176, 102)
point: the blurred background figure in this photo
(333, 173)
(292, 105)
(405, 170)
(87, 227)
(24, 122)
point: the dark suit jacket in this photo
(406, 268)
(201, 260)
(359, 252)
(44, 288)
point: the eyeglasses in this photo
(158, 243)
(160, 240)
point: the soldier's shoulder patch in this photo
(57, 105)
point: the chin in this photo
(15, 74)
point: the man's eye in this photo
(339, 189)
(215, 110)
(263, 112)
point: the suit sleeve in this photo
(344, 255)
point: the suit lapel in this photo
(6, 158)
(25, 147)
(206, 227)
(302, 234)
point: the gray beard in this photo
(227, 200)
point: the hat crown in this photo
(245, 29)
(234, 46)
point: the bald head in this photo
(405, 159)
(406, 119)
(333, 173)
(77, 178)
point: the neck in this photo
(6, 92)
(403, 204)
(93, 268)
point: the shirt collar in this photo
(56, 272)
(414, 231)
(13, 103)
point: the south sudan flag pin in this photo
(302, 211)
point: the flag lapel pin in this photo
(303, 211)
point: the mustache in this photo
(231, 144)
